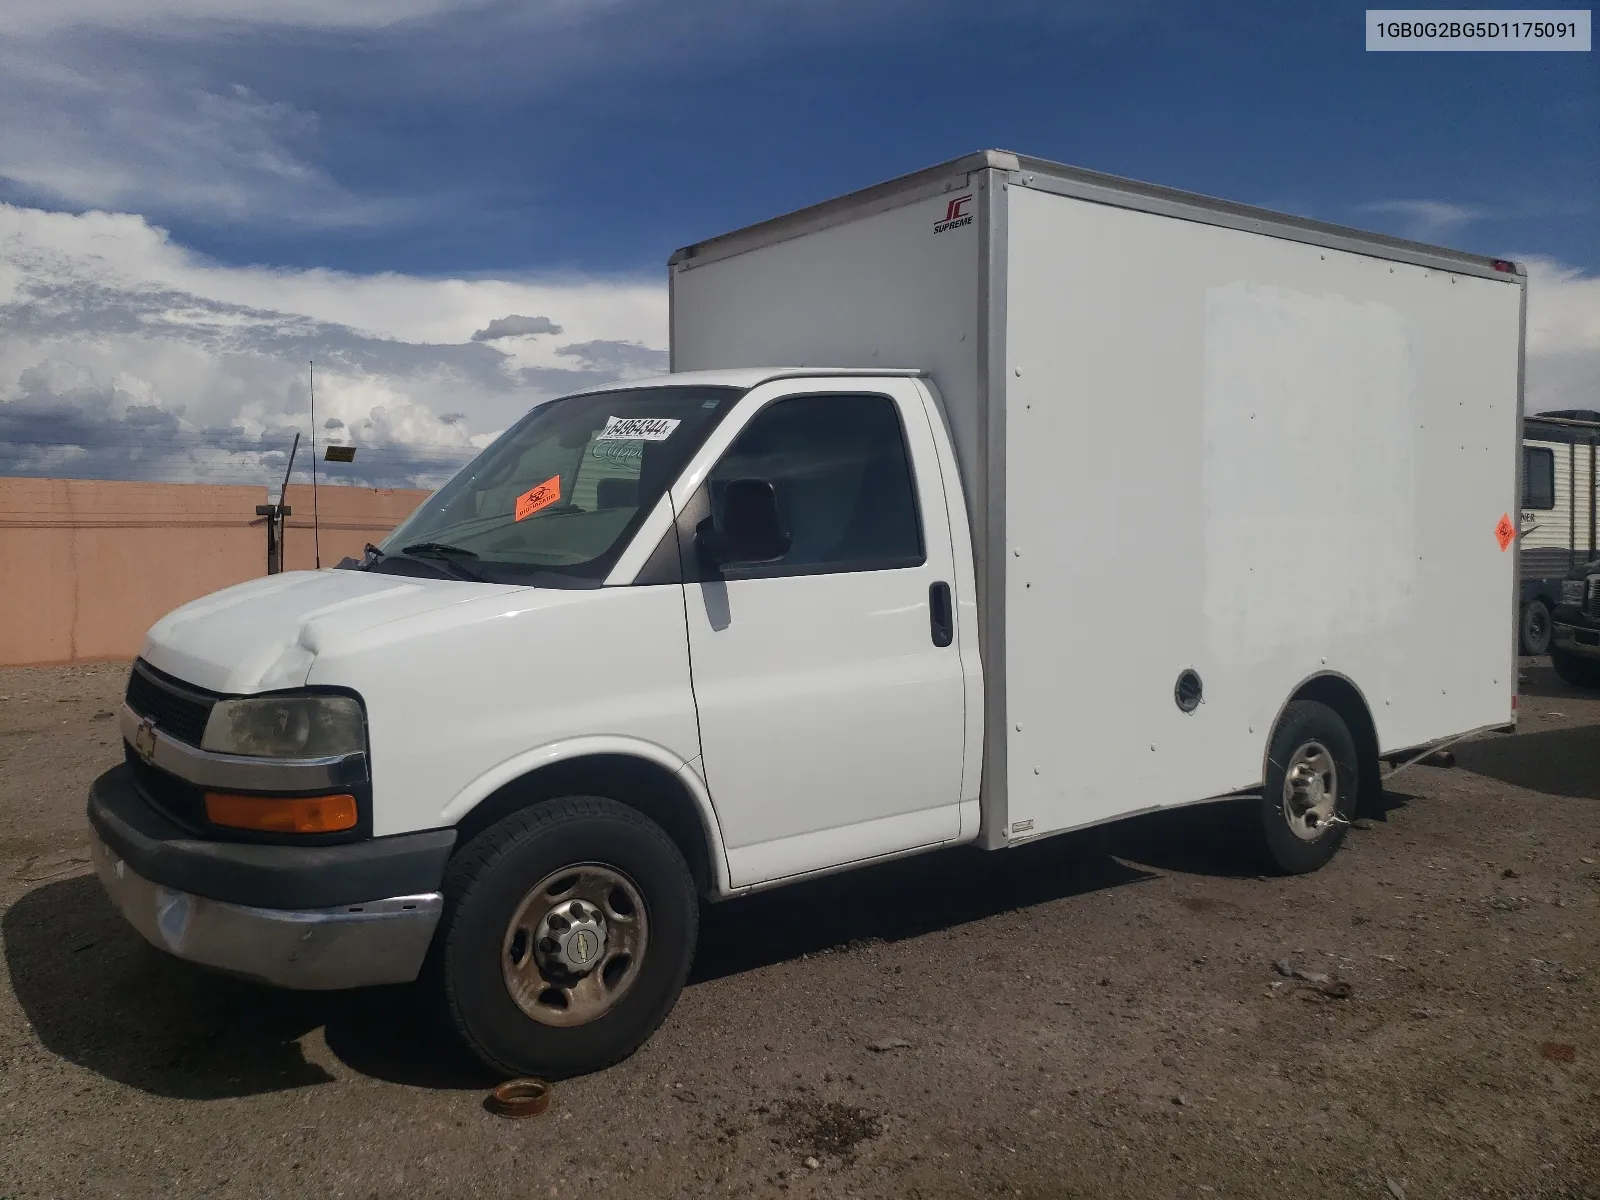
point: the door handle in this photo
(941, 619)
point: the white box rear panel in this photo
(882, 291)
(1254, 457)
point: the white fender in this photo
(567, 749)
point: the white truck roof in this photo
(1099, 188)
(746, 377)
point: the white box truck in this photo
(1001, 500)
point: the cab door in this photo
(829, 689)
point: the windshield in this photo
(561, 492)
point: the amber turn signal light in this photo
(282, 814)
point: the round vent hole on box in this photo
(1188, 691)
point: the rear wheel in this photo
(1580, 672)
(1310, 790)
(1535, 627)
(568, 933)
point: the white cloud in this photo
(122, 352)
(125, 104)
(206, 109)
(36, 17)
(1428, 220)
(147, 138)
(1563, 337)
(143, 105)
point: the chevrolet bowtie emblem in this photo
(144, 740)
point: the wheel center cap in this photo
(572, 937)
(582, 946)
(1308, 788)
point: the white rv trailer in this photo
(1560, 487)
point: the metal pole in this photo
(283, 508)
(293, 450)
(270, 512)
(316, 518)
(275, 513)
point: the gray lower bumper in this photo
(1571, 639)
(351, 945)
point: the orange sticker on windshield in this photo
(532, 500)
(1505, 531)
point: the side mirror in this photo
(751, 531)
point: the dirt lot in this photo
(1084, 1017)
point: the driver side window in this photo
(842, 475)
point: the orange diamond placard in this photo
(543, 496)
(1505, 533)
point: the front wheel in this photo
(569, 929)
(1534, 629)
(1309, 794)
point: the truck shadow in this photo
(1536, 677)
(900, 900)
(96, 995)
(1557, 762)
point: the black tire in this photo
(1580, 672)
(490, 877)
(1534, 628)
(1305, 723)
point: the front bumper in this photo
(313, 917)
(1577, 640)
(357, 945)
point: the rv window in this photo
(1538, 477)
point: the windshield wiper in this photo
(447, 554)
(440, 549)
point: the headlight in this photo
(286, 727)
(1572, 591)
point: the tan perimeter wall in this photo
(350, 517)
(87, 566)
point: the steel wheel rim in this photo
(1538, 625)
(1310, 791)
(575, 944)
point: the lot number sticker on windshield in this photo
(637, 429)
(543, 496)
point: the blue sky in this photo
(300, 154)
(491, 138)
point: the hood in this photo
(265, 634)
(1584, 570)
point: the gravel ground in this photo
(1088, 1016)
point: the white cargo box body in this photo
(1192, 435)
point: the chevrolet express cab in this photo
(998, 501)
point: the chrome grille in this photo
(1591, 604)
(177, 712)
